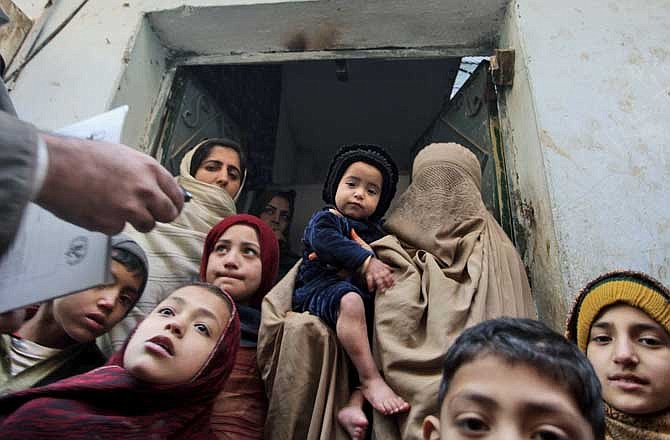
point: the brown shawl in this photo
(304, 369)
(454, 267)
(622, 426)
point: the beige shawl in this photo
(304, 369)
(174, 249)
(455, 267)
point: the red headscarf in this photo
(109, 403)
(269, 251)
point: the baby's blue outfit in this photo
(318, 287)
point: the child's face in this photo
(631, 355)
(235, 263)
(359, 190)
(489, 398)
(172, 344)
(86, 315)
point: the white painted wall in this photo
(77, 74)
(594, 80)
(32, 8)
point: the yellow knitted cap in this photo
(627, 287)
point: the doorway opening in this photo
(291, 117)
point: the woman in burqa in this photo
(454, 266)
(213, 171)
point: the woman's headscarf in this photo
(267, 242)
(109, 403)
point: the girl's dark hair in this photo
(534, 344)
(262, 199)
(206, 146)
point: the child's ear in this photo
(431, 428)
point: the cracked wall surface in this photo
(590, 138)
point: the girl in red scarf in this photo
(162, 384)
(241, 256)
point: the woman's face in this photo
(631, 355)
(222, 168)
(173, 342)
(277, 215)
(235, 263)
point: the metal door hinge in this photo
(502, 67)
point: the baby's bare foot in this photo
(352, 418)
(382, 398)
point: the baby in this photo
(161, 385)
(360, 184)
(516, 379)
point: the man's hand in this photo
(378, 276)
(101, 186)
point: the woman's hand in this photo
(378, 275)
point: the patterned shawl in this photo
(109, 403)
(622, 426)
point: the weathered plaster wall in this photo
(528, 181)
(32, 8)
(594, 87)
(79, 73)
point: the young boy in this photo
(621, 320)
(59, 341)
(360, 184)
(516, 379)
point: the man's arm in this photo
(97, 185)
(18, 162)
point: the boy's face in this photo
(489, 398)
(86, 315)
(631, 355)
(359, 191)
(172, 344)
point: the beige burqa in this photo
(454, 267)
(174, 249)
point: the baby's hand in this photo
(378, 276)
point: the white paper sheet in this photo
(50, 257)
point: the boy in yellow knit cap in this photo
(621, 320)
